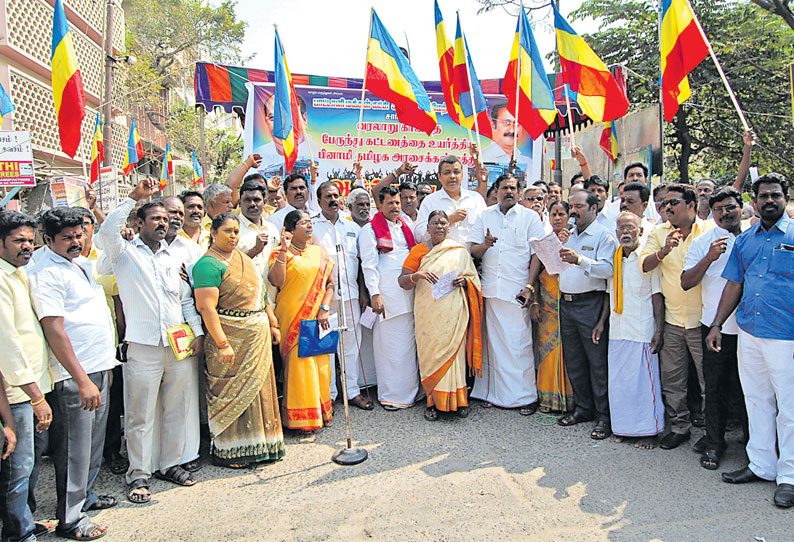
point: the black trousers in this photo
(115, 411)
(723, 389)
(585, 361)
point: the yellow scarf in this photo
(618, 281)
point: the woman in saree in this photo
(448, 330)
(303, 274)
(554, 389)
(242, 403)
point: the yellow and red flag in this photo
(67, 83)
(134, 151)
(286, 109)
(168, 167)
(198, 171)
(467, 91)
(390, 77)
(609, 140)
(526, 84)
(97, 150)
(683, 47)
(446, 57)
(598, 93)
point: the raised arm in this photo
(578, 154)
(235, 178)
(480, 171)
(404, 169)
(109, 235)
(744, 165)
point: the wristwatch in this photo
(715, 324)
(325, 308)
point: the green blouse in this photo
(208, 272)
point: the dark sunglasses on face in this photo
(672, 202)
(725, 209)
(534, 198)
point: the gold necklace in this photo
(296, 250)
(229, 260)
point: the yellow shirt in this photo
(681, 308)
(204, 233)
(24, 359)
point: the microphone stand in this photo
(347, 455)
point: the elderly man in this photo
(501, 238)
(760, 275)
(666, 249)
(461, 205)
(25, 366)
(383, 245)
(78, 327)
(360, 206)
(590, 250)
(705, 188)
(636, 322)
(634, 199)
(534, 199)
(297, 190)
(704, 263)
(155, 300)
(217, 199)
(192, 228)
(333, 232)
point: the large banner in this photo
(331, 117)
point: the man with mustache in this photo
(505, 131)
(383, 245)
(634, 199)
(257, 235)
(501, 238)
(297, 189)
(704, 264)
(666, 249)
(155, 299)
(192, 228)
(218, 198)
(78, 327)
(25, 366)
(760, 275)
(705, 188)
(590, 250)
(636, 322)
(331, 230)
(360, 205)
(534, 200)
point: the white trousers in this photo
(766, 369)
(395, 360)
(352, 341)
(192, 419)
(508, 375)
(153, 373)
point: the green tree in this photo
(778, 7)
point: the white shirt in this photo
(154, 296)
(248, 234)
(505, 265)
(597, 248)
(636, 323)
(344, 232)
(494, 154)
(381, 270)
(713, 283)
(461, 232)
(185, 250)
(647, 228)
(67, 290)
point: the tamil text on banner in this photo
(331, 118)
(16, 159)
(67, 192)
(108, 189)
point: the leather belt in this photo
(581, 297)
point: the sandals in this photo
(176, 475)
(138, 491)
(364, 404)
(85, 531)
(572, 419)
(192, 466)
(710, 459)
(528, 410)
(431, 414)
(44, 526)
(463, 412)
(600, 431)
(390, 408)
(103, 502)
(117, 464)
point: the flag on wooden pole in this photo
(168, 167)
(67, 83)
(467, 90)
(609, 140)
(134, 151)
(97, 150)
(286, 109)
(446, 57)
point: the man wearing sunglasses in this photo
(666, 249)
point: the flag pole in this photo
(570, 117)
(300, 115)
(363, 85)
(719, 69)
(518, 80)
(661, 106)
(471, 89)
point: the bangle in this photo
(284, 261)
(530, 288)
(578, 260)
(396, 173)
(223, 345)
(583, 164)
(657, 256)
(34, 403)
(411, 278)
(276, 326)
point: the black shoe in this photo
(673, 440)
(528, 410)
(701, 445)
(699, 421)
(741, 476)
(784, 496)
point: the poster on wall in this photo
(331, 117)
(67, 192)
(107, 189)
(16, 159)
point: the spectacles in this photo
(439, 224)
(630, 227)
(533, 198)
(672, 202)
(505, 123)
(725, 209)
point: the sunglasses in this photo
(672, 202)
(725, 209)
(534, 198)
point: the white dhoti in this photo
(395, 360)
(635, 392)
(767, 374)
(508, 374)
(351, 338)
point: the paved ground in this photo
(493, 476)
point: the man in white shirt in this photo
(155, 299)
(79, 330)
(297, 190)
(501, 236)
(333, 231)
(590, 250)
(258, 236)
(384, 244)
(600, 187)
(636, 323)
(634, 199)
(461, 205)
(704, 263)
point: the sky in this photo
(326, 37)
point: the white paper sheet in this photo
(444, 286)
(333, 325)
(548, 250)
(368, 318)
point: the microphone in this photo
(571, 223)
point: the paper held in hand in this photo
(548, 250)
(443, 287)
(180, 338)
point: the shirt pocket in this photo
(782, 262)
(517, 238)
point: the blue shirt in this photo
(767, 272)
